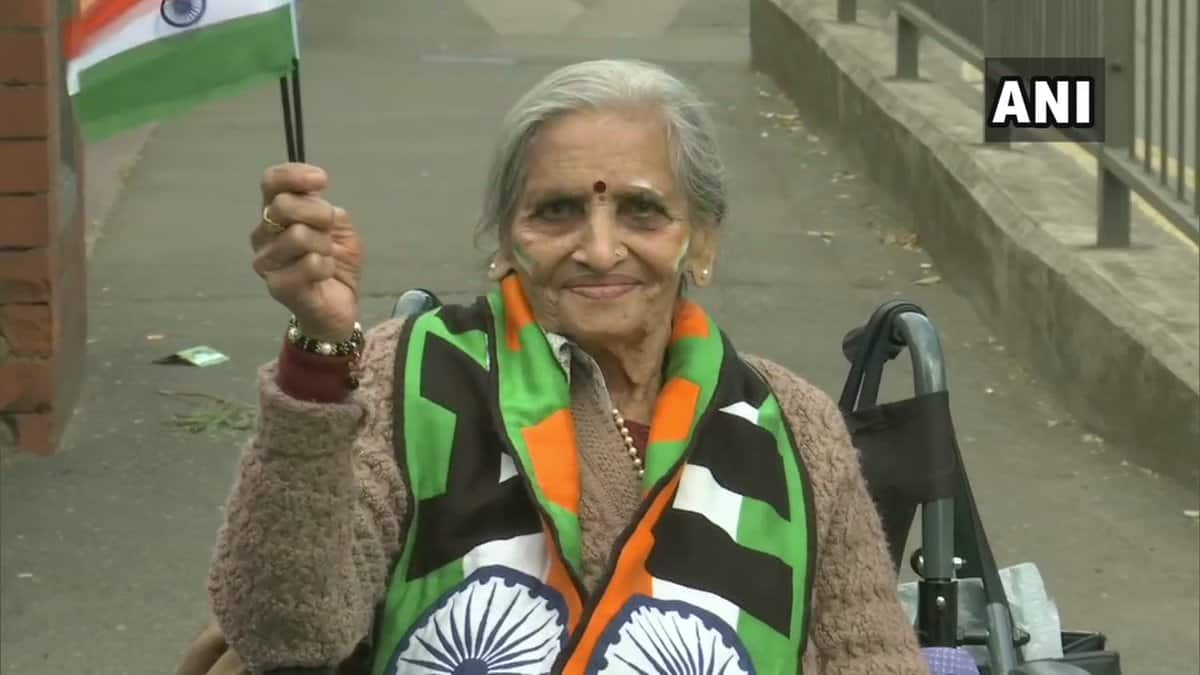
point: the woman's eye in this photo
(643, 209)
(563, 209)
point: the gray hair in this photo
(595, 85)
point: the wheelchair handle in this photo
(413, 302)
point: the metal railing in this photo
(1152, 84)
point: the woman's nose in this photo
(601, 247)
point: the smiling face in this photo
(602, 233)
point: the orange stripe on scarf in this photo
(690, 321)
(551, 444)
(630, 579)
(560, 580)
(674, 412)
(517, 312)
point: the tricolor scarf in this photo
(713, 575)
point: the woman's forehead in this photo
(621, 149)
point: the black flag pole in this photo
(293, 115)
(288, 131)
(298, 111)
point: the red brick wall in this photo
(42, 291)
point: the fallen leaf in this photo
(905, 240)
(929, 280)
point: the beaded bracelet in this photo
(351, 347)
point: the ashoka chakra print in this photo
(498, 620)
(182, 13)
(668, 637)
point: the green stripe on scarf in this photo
(533, 388)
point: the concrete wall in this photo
(42, 285)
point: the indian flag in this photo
(136, 61)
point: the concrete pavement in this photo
(103, 548)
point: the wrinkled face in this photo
(602, 234)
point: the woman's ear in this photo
(702, 256)
(499, 267)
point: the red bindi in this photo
(599, 187)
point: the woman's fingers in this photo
(286, 210)
(291, 196)
(297, 279)
(292, 177)
(280, 251)
(289, 208)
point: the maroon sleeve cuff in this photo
(313, 377)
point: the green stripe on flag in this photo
(167, 77)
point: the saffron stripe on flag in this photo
(101, 17)
(164, 77)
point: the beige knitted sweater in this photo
(313, 524)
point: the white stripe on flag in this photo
(148, 25)
(526, 553)
(724, 609)
(700, 493)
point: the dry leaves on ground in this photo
(905, 240)
(214, 414)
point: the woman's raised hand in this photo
(308, 252)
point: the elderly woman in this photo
(577, 473)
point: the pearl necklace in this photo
(629, 446)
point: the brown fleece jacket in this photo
(313, 524)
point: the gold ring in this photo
(273, 227)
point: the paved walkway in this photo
(104, 548)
